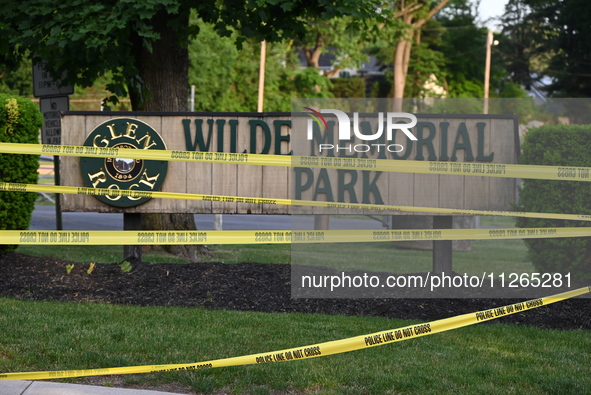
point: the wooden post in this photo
(261, 97)
(57, 181)
(489, 43)
(132, 221)
(442, 249)
(321, 221)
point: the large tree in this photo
(334, 36)
(562, 29)
(227, 78)
(464, 49)
(17, 82)
(143, 43)
(414, 14)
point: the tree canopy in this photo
(563, 31)
(135, 39)
(147, 47)
(548, 38)
(144, 45)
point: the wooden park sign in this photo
(121, 173)
(461, 140)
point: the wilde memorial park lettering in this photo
(459, 140)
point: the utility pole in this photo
(489, 44)
(262, 76)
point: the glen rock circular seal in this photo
(135, 175)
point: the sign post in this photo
(51, 107)
(53, 98)
(45, 86)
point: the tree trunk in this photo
(177, 222)
(403, 47)
(163, 73)
(313, 54)
(400, 73)
(401, 55)
(332, 73)
(406, 58)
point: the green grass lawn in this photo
(484, 358)
(502, 222)
(491, 359)
(96, 254)
(481, 359)
(486, 255)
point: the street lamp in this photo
(489, 43)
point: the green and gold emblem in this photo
(135, 175)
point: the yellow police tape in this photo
(184, 237)
(385, 208)
(564, 173)
(320, 349)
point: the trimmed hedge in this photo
(558, 145)
(20, 121)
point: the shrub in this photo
(348, 87)
(558, 145)
(20, 121)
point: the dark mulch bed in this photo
(244, 287)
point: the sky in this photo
(491, 8)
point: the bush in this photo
(20, 121)
(558, 145)
(348, 87)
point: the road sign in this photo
(45, 86)
(51, 131)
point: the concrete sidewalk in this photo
(51, 388)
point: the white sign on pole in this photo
(51, 131)
(45, 86)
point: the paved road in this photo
(44, 219)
